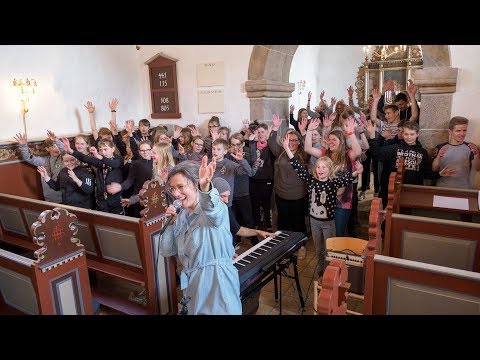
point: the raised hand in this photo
(286, 142)
(332, 118)
(388, 85)
(333, 100)
(205, 173)
(113, 127)
(177, 130)
(302, 125)
(363, 119)
(269, 131)
(181, 149)
(350, 91)
(292, 108)
(411, 88)
(66, 145)
(51, 135)
(113, 104)
(195, 131)
(376, 94)
(129, 124)
(358, 168)
(309, 95)
(89, 106)
(43, 173)
(21, 138)
(276, 121)
(73, 176)
(94, 152)
(349, 125)
(246, 124)
(164, 174)
(370, 129)
(322, 94)
(360, 125)
(314, 124)
(214, 133)
(237, 155)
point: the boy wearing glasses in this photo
(196, 154)
(213, 127)
(139, 172)
(229, 169)
(241, 203)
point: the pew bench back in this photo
(405, 287)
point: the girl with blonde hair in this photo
(322, 193)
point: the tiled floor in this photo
(290, 297)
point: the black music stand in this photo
(282, 270)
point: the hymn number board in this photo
(163, 88)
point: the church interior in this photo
(412, 250)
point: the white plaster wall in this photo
(465, 100)
(236, 60)
(69, 76)
(332, 68)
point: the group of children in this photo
(310, 167)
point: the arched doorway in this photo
(269, 89)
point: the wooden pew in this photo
(405, 287)
(55, 280)
(332, 299)
(400, 286)
(435, 241)
(374, 246)
(120, 247)
(418, 200)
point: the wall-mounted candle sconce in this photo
(25, 90)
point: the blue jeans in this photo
(341, 221)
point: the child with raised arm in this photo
(52, 162)
(108, 170)
(111, 134)
(226, 168)
(143, 132)
(417, 162)
(322, 195)
(196, 153)
(213, 126)
(74, 182)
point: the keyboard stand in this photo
(282, 270)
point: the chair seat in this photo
(346, 243)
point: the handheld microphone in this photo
(177, 204)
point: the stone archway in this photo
(269, 89)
